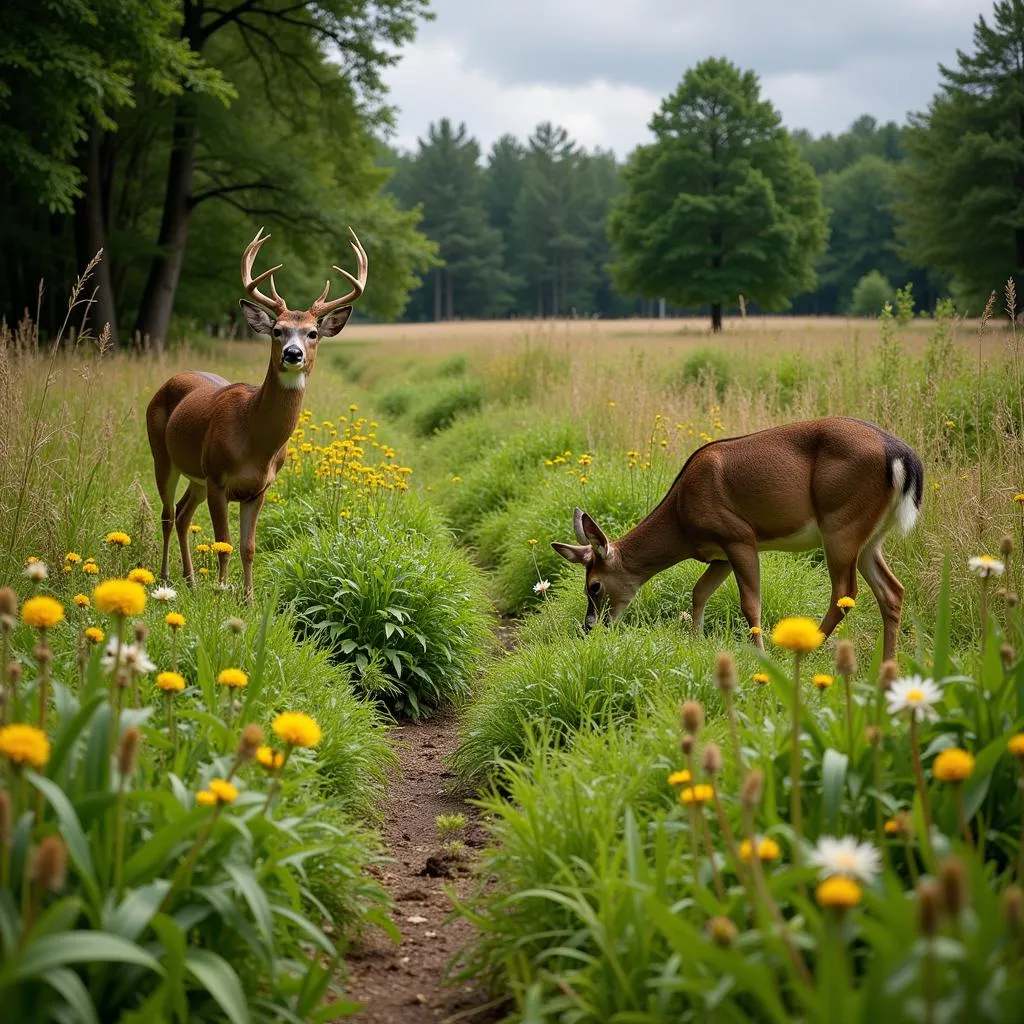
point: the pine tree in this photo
(722, 204)
(964, 210)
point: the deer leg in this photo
(167, 486)
(842, 570)
(217, 501)
(888, 593)
(713, 577)
(248, 513)
(190, 501)
(746, 564)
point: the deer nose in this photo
(292, 355)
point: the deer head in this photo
(609, 587)
(295, 333)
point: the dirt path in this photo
(402, 984)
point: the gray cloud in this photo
(601, 68)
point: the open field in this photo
(424, 484)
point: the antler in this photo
(275, 304)
(322, 306)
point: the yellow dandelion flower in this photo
(533, 542)
(120, 597)
(953, 765)
(73, 558)
(25, 744)
(224, 791)
(118, 539)
(456, 479)
(679, 778)
(143, 576)
(222, 547)
(233, 678)
(175, 620)
(194, 528)
(846, 603)
(892, 827)
(1019, 498)
(81, 600)
(95, 635)
(761, 678)
(798, 634)
(838, 893)
(204, 571)
(822, 681)
(755, 630)
(31, 560)
(296, 729)
(202, 549)
(269, 758)
(767, 849)
(699, 794)
(170, 682)
(91, 568)
(1015, 745)
(205, 798)
(42, 612)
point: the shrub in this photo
(396, 401)
(156, 869)
(870, 294)
(403, 606)
(441, 404)
(573, 684)
(704, 366)
(615, 898)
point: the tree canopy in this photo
(721, 204)
(963, 210)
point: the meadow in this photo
(218, 838)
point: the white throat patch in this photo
(292, 381)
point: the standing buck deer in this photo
(835, 483)
(229, 440)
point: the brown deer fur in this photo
(835, 483)
(230, 440)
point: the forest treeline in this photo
(165, 132)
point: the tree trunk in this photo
(91, 235)
(437, 294)
(162, 284)
(716, 316)
(449, 296)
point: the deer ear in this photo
(332, 324)
(257, 317)
(595, 535)
(578, 553)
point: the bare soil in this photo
(405, 983)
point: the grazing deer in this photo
(230, 440)
(835, 483)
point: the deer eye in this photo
(311, 335)
(594, 587)
(277, 332)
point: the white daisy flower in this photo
(132, 655)
(985, 566)
(846, 857)
(164, 594)
(37, 571)
(542, 587)
(915, 695)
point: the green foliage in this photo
(704, 366)
(573, 684)
(442, 403)
(871, 294)
(403, 606)
(170, 908)
(605, 904)
(962, 193)
(722, 204)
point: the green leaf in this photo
(976, 787)
(75, 948)
(254, 895)
(943, 622)
(70, 732)
(833, 783)
(70, 987)
(131, 916)
(219, 979)
(257, 680)
(151, 855)
(71, 830)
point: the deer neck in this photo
(655, 543)
(275, 411)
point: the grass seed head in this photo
(249, 742)
(725, 671)
(711, 759)
(128, 752)
(8, 602)
(49, 867)
(929, 907)
(753, 787)
(955, 890)
(691, 716)
(721, 931)
(1013, 910)
(846, 658)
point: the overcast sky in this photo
(601, 67)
